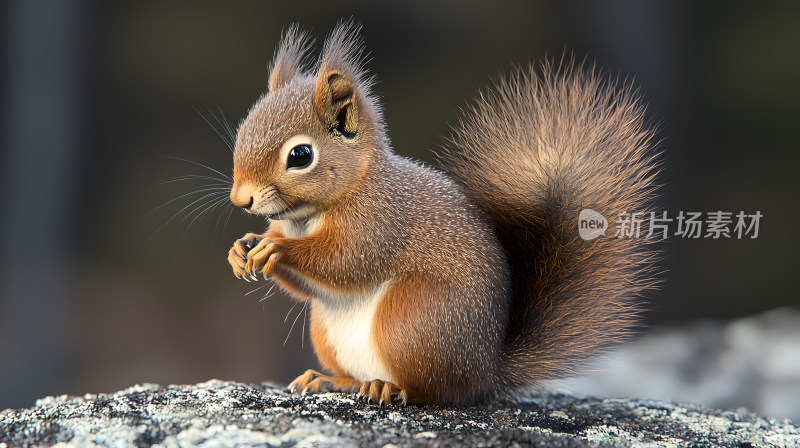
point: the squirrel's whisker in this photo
(299, 313)
(202, 190)
(180, 159)
(227, 220)
(269, 293)
(228, 141)
(260, 287)
(225, 208)
(223, 121)
(188, 177)
(209, 205)
(178, 213)
(303, 331)
(290, 312)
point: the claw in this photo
(403, 396)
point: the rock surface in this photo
(752, 362)
(222, 414)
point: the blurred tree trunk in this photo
(41, 124)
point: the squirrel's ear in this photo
(340, 80)
(288, 60)
(335, 101)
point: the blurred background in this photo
(106, 283)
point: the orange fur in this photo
(290, 284)
(312, 255)
(400, 341)
(319, 339)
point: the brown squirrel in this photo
(428, 287)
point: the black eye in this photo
(299, 157)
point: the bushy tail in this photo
(533, 152)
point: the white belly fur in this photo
(347, 318)
(348, 323)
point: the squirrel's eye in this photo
(299, 157)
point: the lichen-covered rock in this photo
(751, 362)
(223, 414)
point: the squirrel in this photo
(452, 287)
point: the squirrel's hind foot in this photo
(312, 382)
(382, 392)
(376, 391)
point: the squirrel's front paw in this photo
(262, 258)
(239, 253)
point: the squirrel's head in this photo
(308, 141)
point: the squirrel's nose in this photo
(244, 204)
(242, 196)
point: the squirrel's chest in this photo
(348, 323)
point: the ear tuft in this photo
(288, 61)
(344, 50)
(341, 79)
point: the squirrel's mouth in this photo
(277, 215)
(292, 211)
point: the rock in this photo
(751, 362)
(227, 414)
